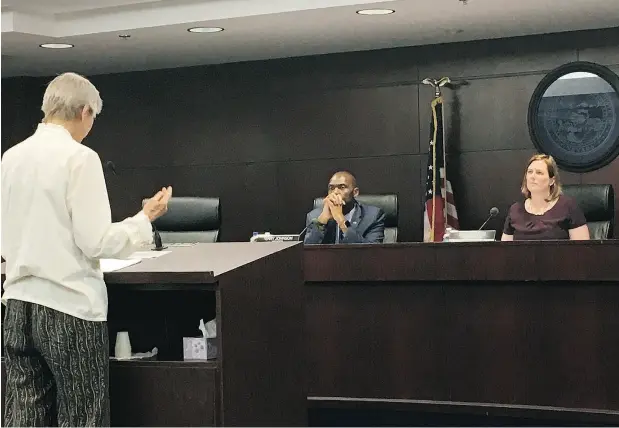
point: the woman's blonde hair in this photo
(553, 173)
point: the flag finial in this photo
(436, 84)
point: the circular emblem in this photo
(574, 116)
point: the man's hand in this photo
(325, 215)
(336, 204)
(157, 206)
(335, 199)
(336, 212)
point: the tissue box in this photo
(199, 348)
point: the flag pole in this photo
(437, 85)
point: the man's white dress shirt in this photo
(56, 224)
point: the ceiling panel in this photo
(261, 29)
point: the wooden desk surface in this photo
(196, 264)
(199, 263)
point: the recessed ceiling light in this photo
(56, 45)
(124, 36)
(205, 29)
(375, 11)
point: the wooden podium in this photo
(255, 292)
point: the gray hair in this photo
(68, 94)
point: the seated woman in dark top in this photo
(545, 213)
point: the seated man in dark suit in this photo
(343, 220)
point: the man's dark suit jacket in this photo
(367, 226)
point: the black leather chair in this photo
(190, 220)
(597, 201)
(388, 203)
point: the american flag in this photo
(440, 208)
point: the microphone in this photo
(109, 166)
(493, 212)
(157, 238)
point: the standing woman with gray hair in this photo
(56, 224)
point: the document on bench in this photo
(111, 265)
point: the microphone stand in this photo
(493, 213)
(484, 223)
(157, 238)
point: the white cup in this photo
(123, 345)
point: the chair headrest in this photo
(597, 201)
(190, 214)
(388, 203)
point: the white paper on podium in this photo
(147, 254)
(111, 265)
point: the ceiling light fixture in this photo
(375, 11)
(124, 36)
(205, 30)
(56, 45)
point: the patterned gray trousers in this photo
(57, 368)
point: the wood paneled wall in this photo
(265, 136)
